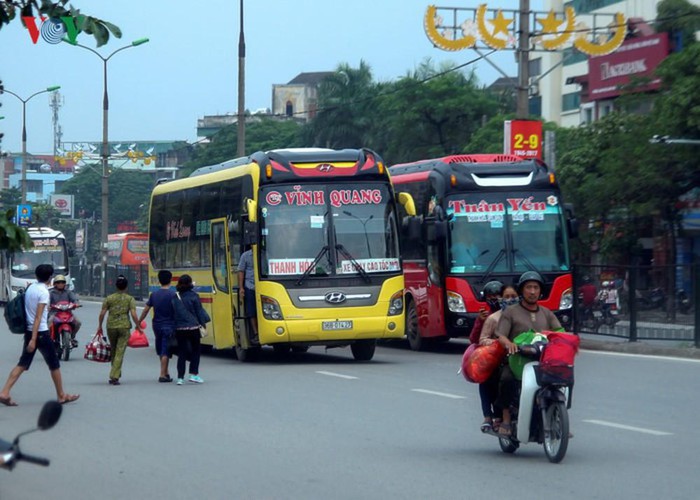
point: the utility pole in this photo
(241, 88)
(522, 108)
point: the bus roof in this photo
(44, 232)
(291, 164)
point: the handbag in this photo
(203, 331)
(137, 339)
(98, 349)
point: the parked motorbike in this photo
(61, 328)
(542, 414)
(654, 299)
(683, 304)
(11, 454)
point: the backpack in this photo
(15, 315)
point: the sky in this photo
(189, 68)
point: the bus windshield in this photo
(337, 226)
(507, 232)
(45, 251)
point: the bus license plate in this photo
(336, 325)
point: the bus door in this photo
(224, 292)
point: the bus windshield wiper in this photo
(320, 255)
(527, 262)
(492, 266)
(354, 262)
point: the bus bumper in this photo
(331, 330)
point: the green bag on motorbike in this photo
(517, 361)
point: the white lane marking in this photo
(339, 375)
(629, 428)
(436, 393)
(647, 356)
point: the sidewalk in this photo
(647, 347)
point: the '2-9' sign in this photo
(523, 138)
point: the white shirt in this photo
(36, 294)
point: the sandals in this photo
(69, 398)
(504, 430)
(8, 401)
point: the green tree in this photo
(345, 108)
(679, 18)
(100, 29)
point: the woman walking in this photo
(119, 305)
(189, 317)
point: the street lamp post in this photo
(105, 156)
(24, 134)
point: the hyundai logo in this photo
(335, 297)
(324, 167)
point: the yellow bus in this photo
(322, 225)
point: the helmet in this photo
(59, 279)
(492, 288)
(530, 276)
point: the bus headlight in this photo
(567, 299)
(455, 303)
(271, 308)
(396, 304)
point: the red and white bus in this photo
(127, 249)
(483, 217)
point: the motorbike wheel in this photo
(556, 440)
(66, 341)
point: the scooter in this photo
(542, 415)
(62, 328)
(11, 454)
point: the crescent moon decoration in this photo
(441, 42)
(550, 26)
(500, 24)
(594, 49)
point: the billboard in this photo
(63, 203)
(636, 58)
(523, 138)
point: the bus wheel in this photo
(416, 342)
(281, 349)
(300, 348)
(363, 350)
(245, 355)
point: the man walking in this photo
(36, 306)
(246, 287)
(161, 301)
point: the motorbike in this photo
(654, 299)
(542, 413)
(61, 328)
(683, 304)
(11, 454)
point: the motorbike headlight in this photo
(271, 308)
(455, 303)
(567, 299)
(396, 304)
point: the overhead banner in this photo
(63, 203)
(523, 138)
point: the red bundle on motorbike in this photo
(483, 361)
(557, 361)
(465, 358)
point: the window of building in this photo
(34, 186)
(570, 101)
(289, 109)
(535, 66)
(534, 105)
(572, 56)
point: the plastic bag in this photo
(483, 361)
(137, 339)
(465, 358)
(517, 361)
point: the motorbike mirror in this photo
(50, 414)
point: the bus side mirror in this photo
(571, 220)
(252, 208)
(406, 200)
(250, 233)
(437, 231)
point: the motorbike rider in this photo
(526, 315)
(59, 293)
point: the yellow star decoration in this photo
(500, 24)
(550, 24)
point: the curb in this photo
(640, 348)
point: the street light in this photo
(24, 134)
(105, 154)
